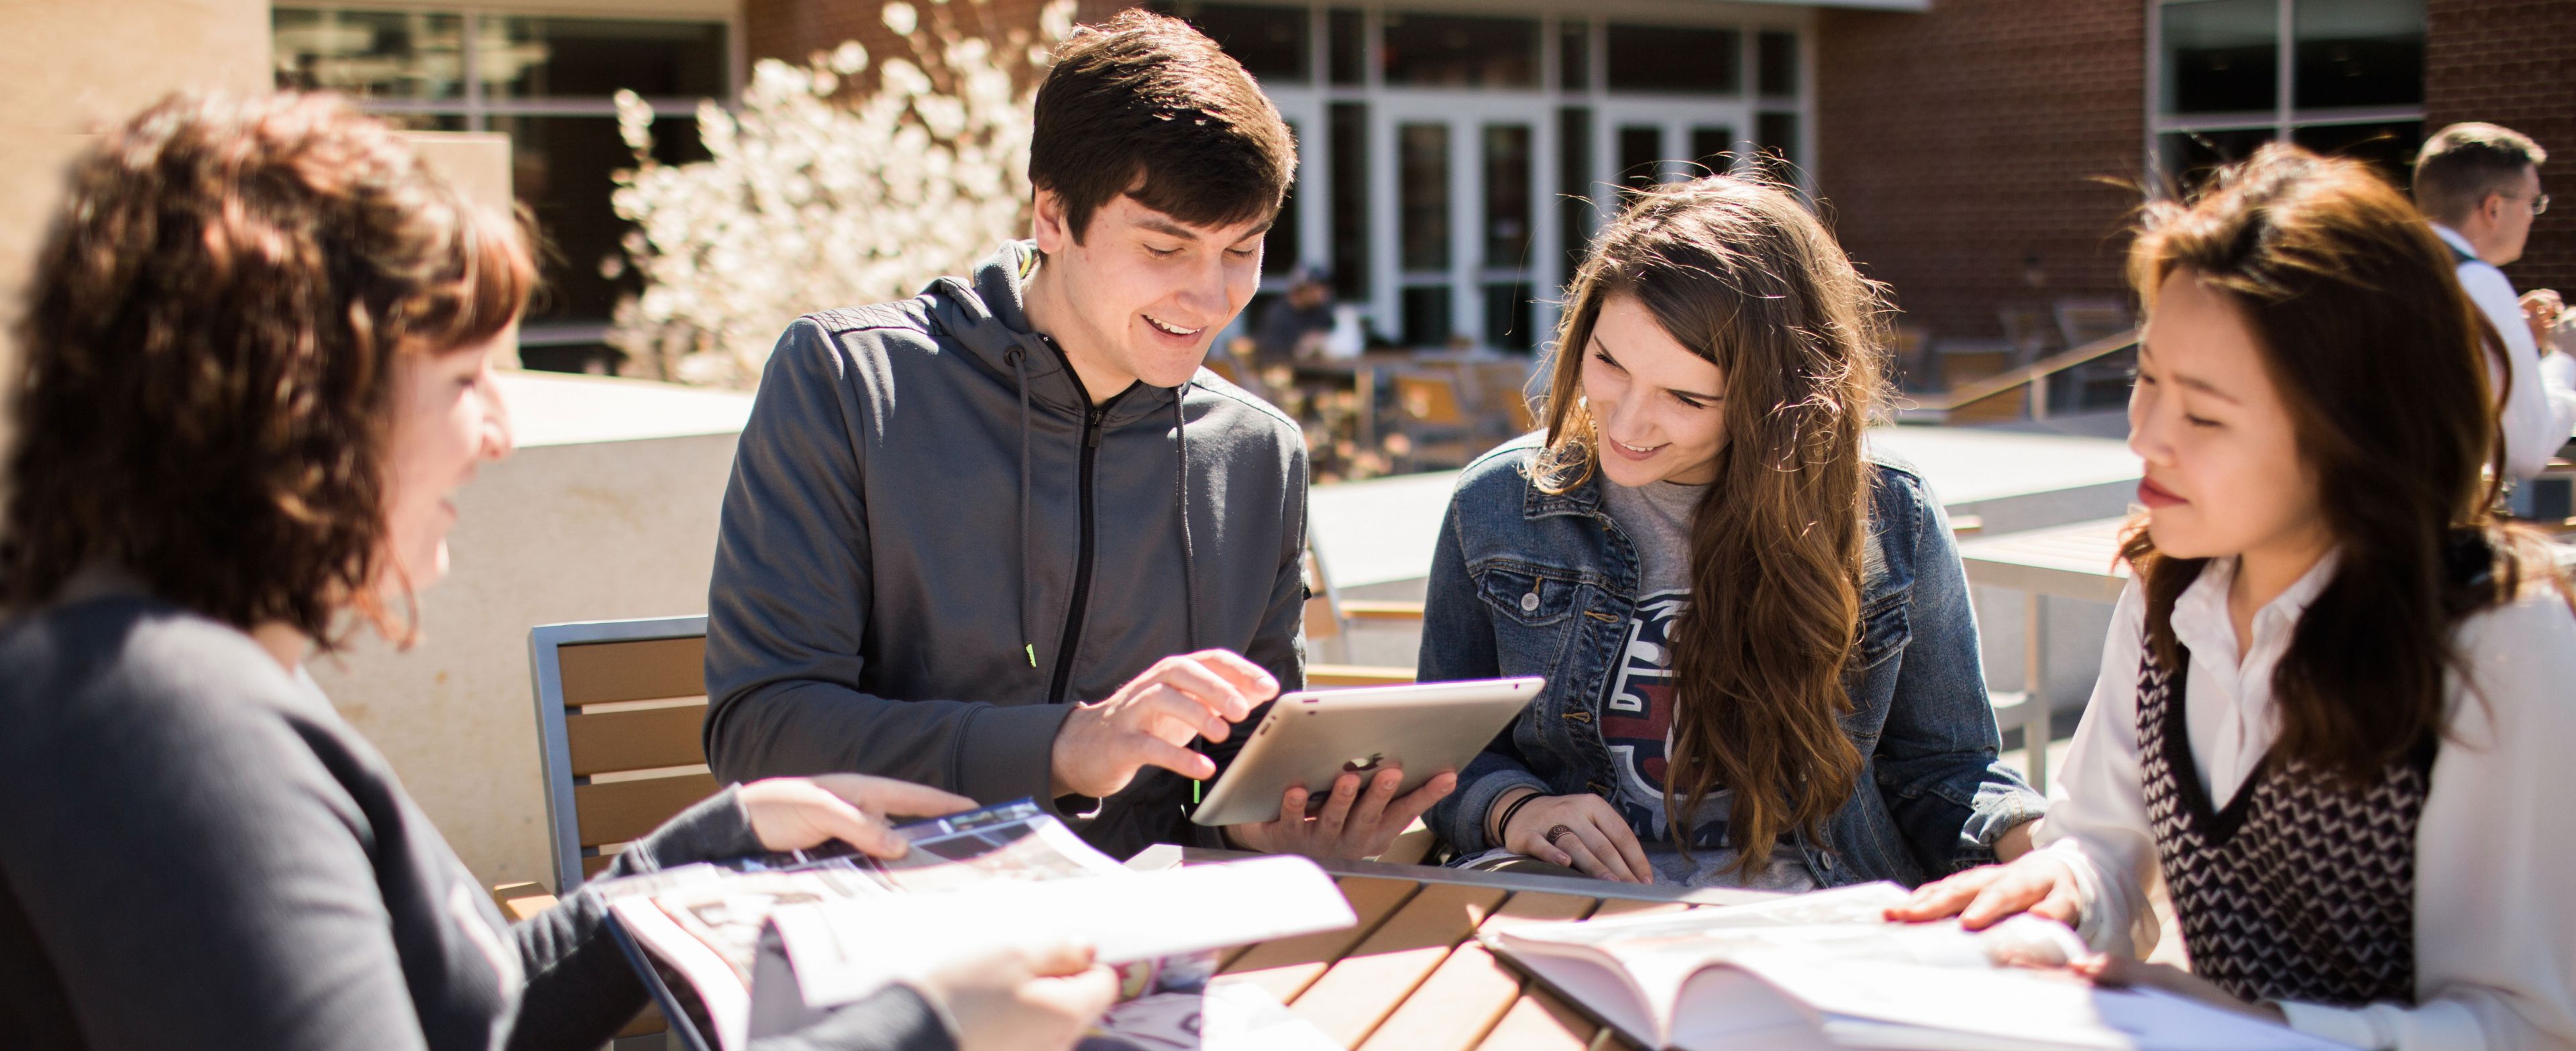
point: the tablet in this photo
(1312, 737)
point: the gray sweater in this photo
(933, 543)
(198, 852)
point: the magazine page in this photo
(1008, 841)
(843, 950)
(1632, 971)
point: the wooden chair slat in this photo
(648, 670)
(1369, 983)
(1540, 1022)
(593, 865)
(646, 1023)
(1319, 675)
(607, 742)
(1461, 1001)
(619, 811)
(1286, 967)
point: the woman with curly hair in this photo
(256, 365)
(1761, 667)
(2333, 709)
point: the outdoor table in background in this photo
(2079, 561)
(1410, 976)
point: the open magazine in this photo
(1825, 970)
(747, 948)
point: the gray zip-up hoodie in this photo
(933, 544)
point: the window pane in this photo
(1269, 41)
(369, 54)
(1641, 156)
(1422, 190)
(1507, 196)
(1775, 144)
(1574, 55)
(1674, 58)
(1280, 248)
(1459, 51)
(1426, 316)
(2359, 53)
(2221, 56)
(2389, 147)
(1349, 45)
(1778, 53)
(1508, 316)
(527, 58)
(1573, 184)
(559, 168)
(2187, 156)
(1711, 148)
(1350, 200)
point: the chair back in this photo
(1431, 399)
(621, 709)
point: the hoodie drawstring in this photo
(1018, 356)
(1181, 497)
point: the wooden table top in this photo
(1410, 977)
(2080, 561)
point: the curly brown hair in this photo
(208, 353)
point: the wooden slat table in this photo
(1409, 975)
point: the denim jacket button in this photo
(1529, 602)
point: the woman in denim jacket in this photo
(1741, 615)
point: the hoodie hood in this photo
(987, 313)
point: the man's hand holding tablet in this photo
(1351, 824)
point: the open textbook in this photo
(740, 950)
(1825, 970)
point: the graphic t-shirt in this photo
(1637, 711)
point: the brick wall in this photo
(2513, 62)
(1956, 145)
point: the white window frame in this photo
(2284, 118)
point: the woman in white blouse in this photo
(2334, 710)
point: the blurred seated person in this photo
(255, 370)
(1293, 326)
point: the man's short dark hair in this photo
(1146, 106)
(2461, 164)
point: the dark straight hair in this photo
(1144, 105)
(2378, 355)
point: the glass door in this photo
(1469, 260)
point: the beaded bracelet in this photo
(1503, 828)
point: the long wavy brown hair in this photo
(1742, 274)
(2379, 357)
(207, 356)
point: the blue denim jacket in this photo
(1935, 798)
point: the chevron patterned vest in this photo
(2298, 889)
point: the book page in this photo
(843, 950)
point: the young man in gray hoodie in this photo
(1007, 538)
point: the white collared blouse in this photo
(2495, 930)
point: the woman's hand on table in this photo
(1351, 823)
(1583, 832)
(1022, 998)
(1981, 897)
(794, 813)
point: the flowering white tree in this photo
(813, 199)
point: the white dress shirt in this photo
(2495, 929)
(2540, 409)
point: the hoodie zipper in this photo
(1063, 679)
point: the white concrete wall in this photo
(607, 511)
